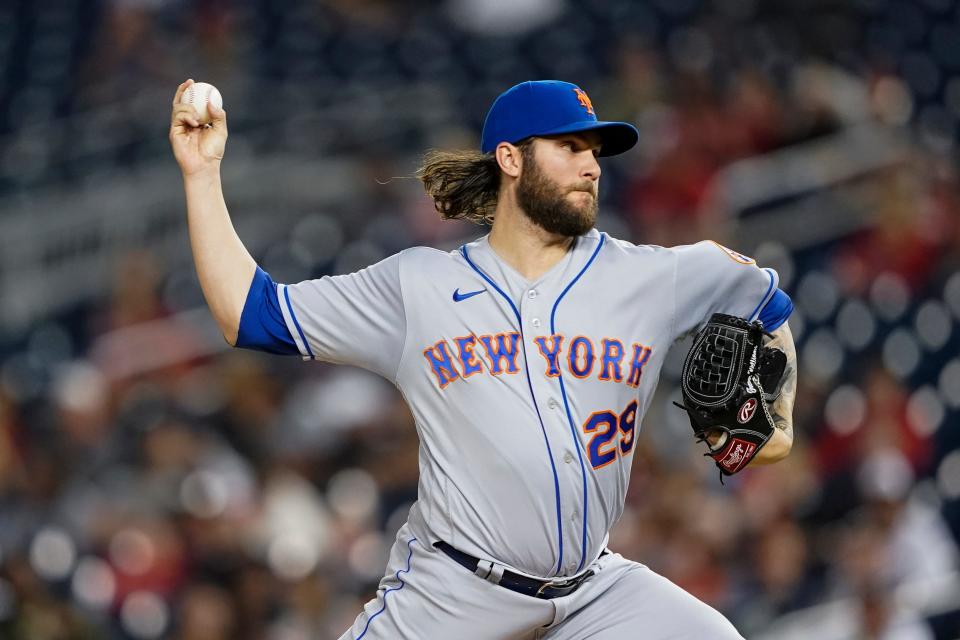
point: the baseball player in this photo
(528, 358)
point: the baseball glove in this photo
(728, 379)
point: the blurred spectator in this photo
(918, 547)
(206, 613)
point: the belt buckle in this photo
(572, 584)
(545, 585)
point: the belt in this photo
(545, 589)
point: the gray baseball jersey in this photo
(528, 395)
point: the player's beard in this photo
(546, 204)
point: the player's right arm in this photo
(224, 266)
(356, 319)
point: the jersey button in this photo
(532, 294)
(553, 404)
(535, 322)
(567, 457)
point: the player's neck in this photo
(529, 249)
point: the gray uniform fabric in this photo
(528, 395)
(425, 596)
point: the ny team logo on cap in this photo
(584, 100)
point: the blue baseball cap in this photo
(550, 107)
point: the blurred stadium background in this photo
(154, 484)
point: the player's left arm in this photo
(781, 409)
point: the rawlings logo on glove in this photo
(728, 374)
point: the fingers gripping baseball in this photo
(197, 147)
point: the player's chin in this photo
(585, 205)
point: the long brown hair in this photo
(464, 184)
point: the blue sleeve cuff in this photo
(776, 311)
(261, 324)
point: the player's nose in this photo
(591, 168)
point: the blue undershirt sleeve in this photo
(262, 327)
(776, 311)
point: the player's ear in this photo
(510, 159)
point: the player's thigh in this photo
(426, 595)
(634, 602)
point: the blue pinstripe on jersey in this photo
(766, 296)
(306, 345)
(526, 368)
(566, 404)
(391, 589)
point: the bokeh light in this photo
(144, 615)
(204, 494)
(949, 383)
(948, 476)
(292, 556)
(951, 294)
(132, 551)
(901, 353)
(368, 555)
(889, 295)
(822, 355)
(925, 411)
(352, 493)
(856, 326)
(53, 553)
(845, 410)
(817, 294)
(933, 325)
(94, 584)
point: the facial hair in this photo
(546, 203)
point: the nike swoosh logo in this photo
(457, 296)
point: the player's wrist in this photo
(776, 449)
(204, 175)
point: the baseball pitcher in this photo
(528, 358)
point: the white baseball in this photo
(199, 94)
